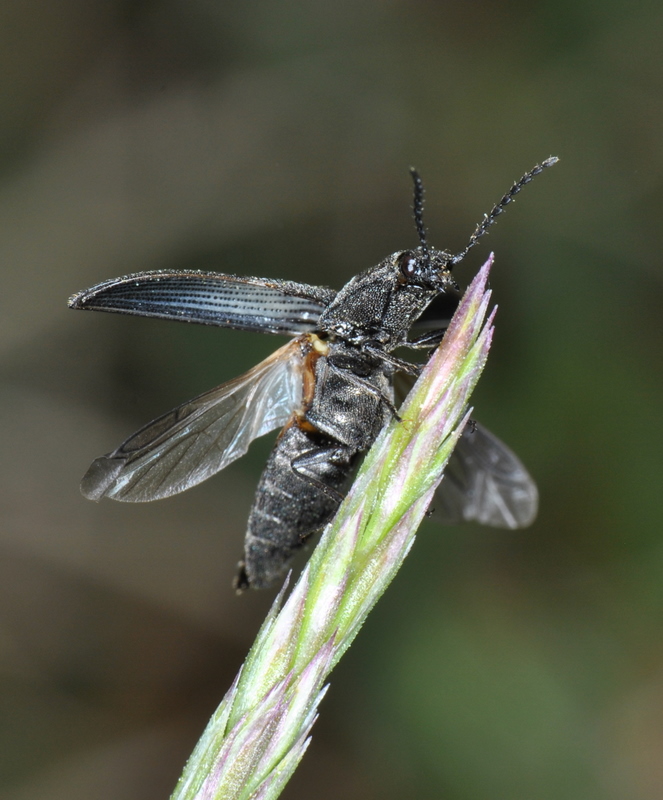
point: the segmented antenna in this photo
(418, 208)
(488, 219)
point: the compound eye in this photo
(407, 263)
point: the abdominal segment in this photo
(291, 503)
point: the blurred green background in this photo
(273, 139)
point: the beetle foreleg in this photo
(398, 363)
(428, 339)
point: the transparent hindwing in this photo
(201, 437)
(486, 482)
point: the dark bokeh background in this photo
(274, 139)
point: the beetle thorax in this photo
(381, 304)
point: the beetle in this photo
(330, 390)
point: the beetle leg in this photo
(398, 363)
(363, 384)
(428, 339)
(312, 457)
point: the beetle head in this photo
(381, 304)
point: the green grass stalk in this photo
(259, 733)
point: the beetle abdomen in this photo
(291, 503)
